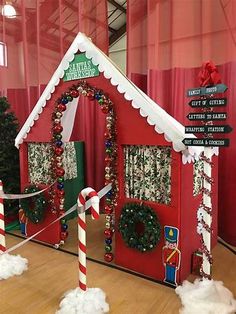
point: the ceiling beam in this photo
(117, 5)
(117, 35)
(30, 24)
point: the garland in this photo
(57, 194)
(34, 207)
(135, 217)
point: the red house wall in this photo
(134, 129)
(41, 132)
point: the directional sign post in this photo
(208, 142)
(201, 91)
(208, 129)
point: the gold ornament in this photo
(62, 201)
(107, 169)
(58, 114)
(107, 176)
(108, 218)
(108, 225)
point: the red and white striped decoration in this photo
(207, 214)
(2, 223)
(92, 194)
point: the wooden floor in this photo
(51, 273)
(94, 237)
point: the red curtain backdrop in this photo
(167, 43)
(36, 40)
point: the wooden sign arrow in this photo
(220, 142)
(207, 116)
(202, 103)
(200, 91)
(208, 129)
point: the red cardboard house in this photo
(146, 161)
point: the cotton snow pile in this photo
(91, 301)
(206, 297)
(11, 265)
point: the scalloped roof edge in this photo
(154, 114)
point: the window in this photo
(3, 54)
(40, 162)
(148, 173)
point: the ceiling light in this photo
(8, 11)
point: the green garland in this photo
(134, 215)
(34, 207)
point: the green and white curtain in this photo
(40, 162)
(148, 173)
(197, 177)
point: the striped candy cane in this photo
(92, 194)
(2, 223)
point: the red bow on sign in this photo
(209, 75)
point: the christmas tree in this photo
(9, 157)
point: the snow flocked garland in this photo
(58, 194)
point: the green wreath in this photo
(34, 207)
(139, 226)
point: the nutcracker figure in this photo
(171, 254)
(23, 221)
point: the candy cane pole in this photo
(2, 223)
(90, 193)
(207, 215)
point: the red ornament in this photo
(107, 135)
(60, 172)
(108, 181)
(61, 212)
(90, 95)
(105, 109)
(60, 193)
(108, 257)
(58, 151)
(108, 159)
(108, 233)
(74, 93)
(64, 235)
(108, 210)
(57, 128)
(61, 107)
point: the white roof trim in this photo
(155, 115)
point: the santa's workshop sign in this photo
(80, 67)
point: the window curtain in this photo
(167, 43)
(36, 39)
(148, 173)
(40, 168)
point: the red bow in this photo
(209, 75)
